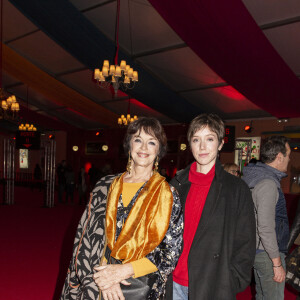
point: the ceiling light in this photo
(116, 75)
(282, 120)
(183, 147)
(27, 127)
(9, 105)
(124, 121)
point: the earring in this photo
(128, 167)
(156, 164)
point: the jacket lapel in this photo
(182, 180)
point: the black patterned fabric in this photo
(79, 283)
(293, 269)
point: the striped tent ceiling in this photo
(235, 58)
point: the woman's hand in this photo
(109, 275)
(113, 293)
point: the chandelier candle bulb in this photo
(13, 99)
(126, 80)
(112, 70)
(105, 71)
(135, 76)
(106, 64)
(123, 65)
(126, 69)
(97, 74)
(130, 73)
(9, 101)
(102, 78)
(118, 71)
(4, 105)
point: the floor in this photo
(36, 246)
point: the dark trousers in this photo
(61, 190)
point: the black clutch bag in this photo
(139, 288)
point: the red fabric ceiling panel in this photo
(226, 37)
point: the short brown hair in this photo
(212, 121)
(152, 127)
(228, 166)
(271, 146)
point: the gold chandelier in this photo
(27, 127)
(9, 106)
(124, 121)
(116, 75)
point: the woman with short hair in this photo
(219, 226)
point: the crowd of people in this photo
(198, 235)
(68, 182)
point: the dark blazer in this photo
(223, 250)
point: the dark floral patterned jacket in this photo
(90, 240)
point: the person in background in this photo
(70, 183)
(93, 176)
(132, 228)
(61, 178)
(38, 176)
(263, 178)
(219, 227)
(232, 168)
(82, 186)
(163, 172)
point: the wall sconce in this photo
(182, 147)
(282, 120)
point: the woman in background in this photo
(232, 168)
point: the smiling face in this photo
(144, 149)
(205, 146)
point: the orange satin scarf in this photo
(147, 222)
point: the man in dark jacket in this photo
(263, 178)
(219, 232)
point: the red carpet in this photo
(36, 246)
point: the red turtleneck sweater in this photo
(200, 185)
